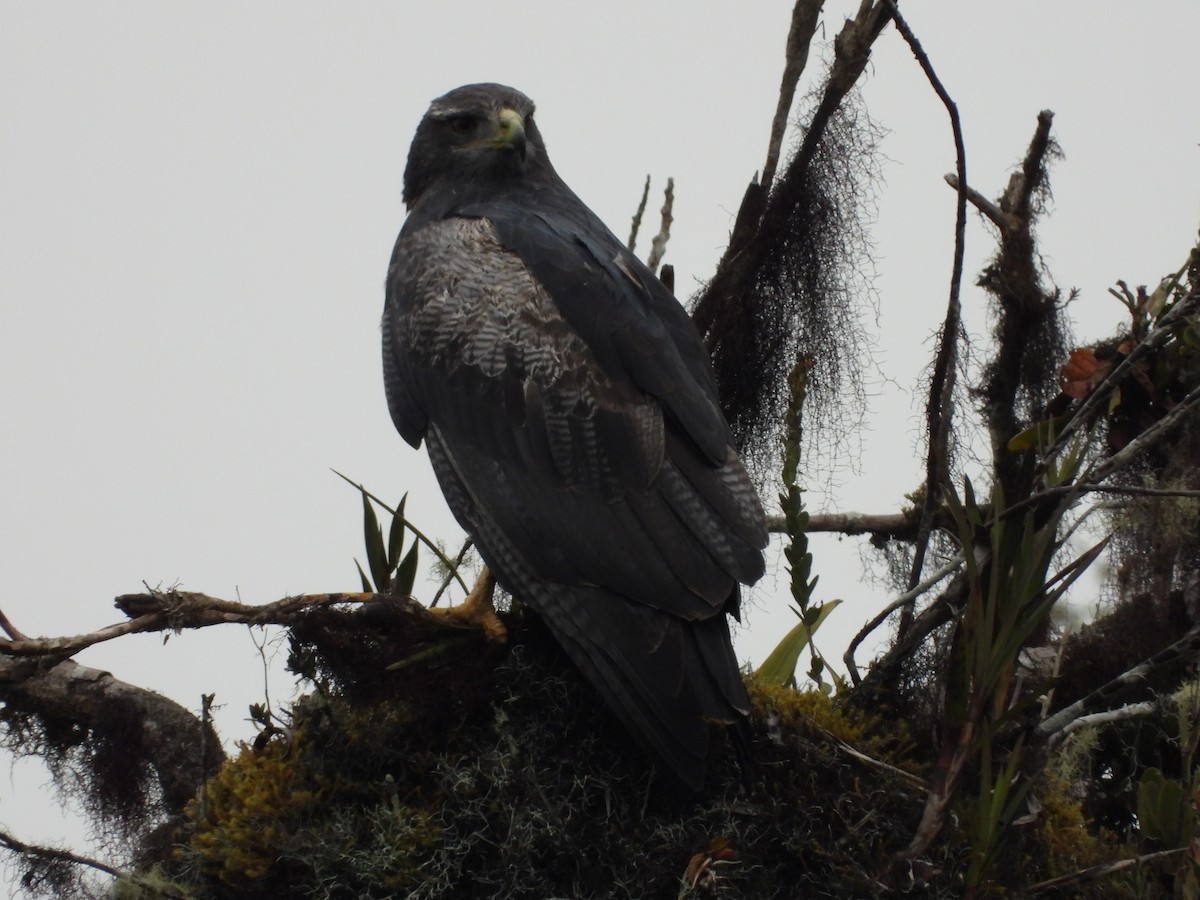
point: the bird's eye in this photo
(462, 124)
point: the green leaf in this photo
(377, 560)
(427, 653)
(1039, 434)
(366, 582)
(417, 533)
(1149, 791)
(406, 574)
(780, 666)
(396, 534)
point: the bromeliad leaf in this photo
(396, 534)
(780, 666)
(377, 559)
(366, 582)
(406, 573)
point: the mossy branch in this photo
(57, 856)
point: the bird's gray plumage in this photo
(570, 414)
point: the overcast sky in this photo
(198, 202)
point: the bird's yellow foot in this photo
(478, 610)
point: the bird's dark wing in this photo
(585, 454)
(632, 324)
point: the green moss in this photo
(249, 810)
(815, 715)
(1064, 840)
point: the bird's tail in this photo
(666, 678)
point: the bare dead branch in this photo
(637, 216)
(937, 613)
(939, 411)
(900, 526)
(1005, 221)
(1096, 873)
(178, 610)
(907, 599)
(805, 15)
(1121, 714)
(658, 246)
(1052, 728)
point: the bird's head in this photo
(476, 134)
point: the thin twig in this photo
(805, 15)
(658, 246)
(905, 599)
(914, 781)
(1105, 870)
(1082, 488)
(637, 216)
(940, 408)
(451, 572)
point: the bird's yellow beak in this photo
(509, 133)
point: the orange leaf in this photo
(1082, 372)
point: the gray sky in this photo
(198, 202)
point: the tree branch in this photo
(636, 224)
(1005, 221)
(939, 411)
(805, 15)
(171, 740)
(1105, 870)
(177, 610)
(54, 854)
(658, 245)
(900, 526)
(1121, 714)
(904, 600)
(1099, 396)
(1053, 728)
(739, 313)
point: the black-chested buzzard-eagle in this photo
(571, 416)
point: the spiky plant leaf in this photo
(406, 573)
(377, 559)
(396, 534)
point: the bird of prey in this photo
(570, 414)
